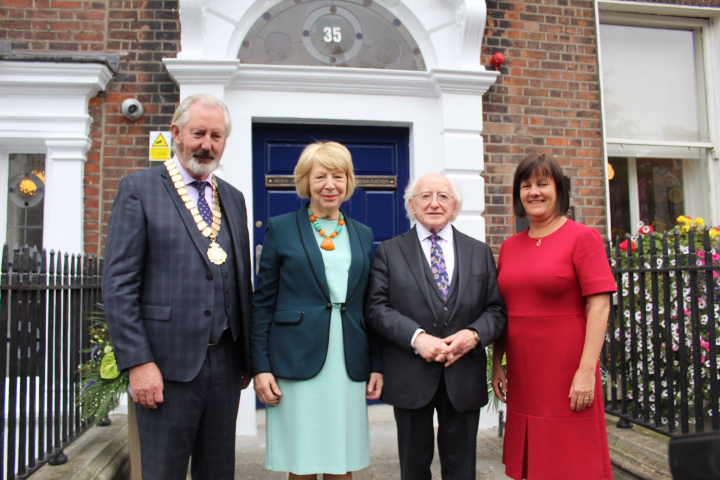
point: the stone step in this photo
(639, 451)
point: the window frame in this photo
(703, 23)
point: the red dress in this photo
(544, 288)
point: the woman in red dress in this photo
(556, 282)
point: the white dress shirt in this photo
(447, 243)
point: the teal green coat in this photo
(290, 321)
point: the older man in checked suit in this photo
(177, 293)
(433, 297)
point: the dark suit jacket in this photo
(291, 305)
(157, 283)
(399, 302)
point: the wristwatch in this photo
(477, 337)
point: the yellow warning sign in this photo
(160, 142)
(160, 146)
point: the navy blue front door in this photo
(380, 156)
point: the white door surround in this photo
(44, 109)
(441, 106)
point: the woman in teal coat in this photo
(312, 360)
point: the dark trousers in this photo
(196, 418)
(457, 439)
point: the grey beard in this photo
(193, 166)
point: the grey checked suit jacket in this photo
(157, 284)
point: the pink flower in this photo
(705, 345)
(715, 256)
(701, 254)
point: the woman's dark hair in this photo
(543, 166)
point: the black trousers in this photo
(457, 439)
(196, 418)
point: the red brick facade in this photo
(142, 33)
(546, 100)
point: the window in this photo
(26, 192)
(348, 33)
(656, 121)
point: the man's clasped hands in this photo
(446, 350)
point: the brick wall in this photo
(546, 100)
(142, 33)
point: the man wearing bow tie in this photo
(177, 293)
(433, 296)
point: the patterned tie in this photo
(202, 204)
(437, 263)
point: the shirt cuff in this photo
(412, 341)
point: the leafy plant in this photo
(101, 383)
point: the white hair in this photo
(410, 191)
(180, 117)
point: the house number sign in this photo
(332, 35)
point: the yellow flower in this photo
(713, 233)
(700, 221)
(685, 228)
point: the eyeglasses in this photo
(426, 197)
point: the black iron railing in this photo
(660, 356)
(43, 300)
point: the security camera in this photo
(132, 109)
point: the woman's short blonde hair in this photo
(330, 155)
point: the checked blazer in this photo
(157, 283)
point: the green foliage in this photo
(101, 383)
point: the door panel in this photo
(378, 152)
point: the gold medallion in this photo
(216, 254)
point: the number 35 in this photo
(332, 34)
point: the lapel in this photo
(187, 219)
(307, 238)
(229, 221)
(463, 257)
(416, 262)
(357, 263)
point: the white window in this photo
(656, 120)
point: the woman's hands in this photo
(267, 389)
(374, 386)
(499, 381)
(582, 390)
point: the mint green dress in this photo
(321, 424)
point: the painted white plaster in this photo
(43, 109)
(442, 107)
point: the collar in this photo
(187, 178)
(445, 234)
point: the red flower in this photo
(624, 246)
(645, 229)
